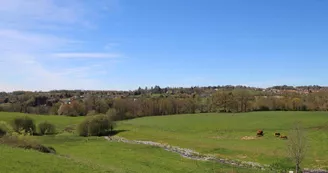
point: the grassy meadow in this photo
(95, 154)
(219, 134)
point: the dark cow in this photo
(277, 134)
(259, 133)
(283, 137)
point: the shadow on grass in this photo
(26, 143)
(115, 132)
(107, 133)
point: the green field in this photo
(95, 154)
(219, 134)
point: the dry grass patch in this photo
(249, 138)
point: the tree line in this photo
(194, 100)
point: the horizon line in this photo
(205, 86)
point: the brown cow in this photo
(259, 133)
(283, 137)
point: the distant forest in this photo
(156, 101)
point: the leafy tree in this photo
(54, 109)
(223, 100)
(112, 114)
(243, 98)
(79, 108)
(101, 106)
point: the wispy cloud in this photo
(87, 55)
(25, 73)
(17, 41)
(109, 46)
(27, 46)
(42, 12)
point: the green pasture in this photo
(95, 154)
(222, 134)
(230, 136)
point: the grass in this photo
(60, 121)
(218, 134)
(221, 134)
(95, 154)
(119, 157)
(18, 160)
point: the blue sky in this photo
(124, 44)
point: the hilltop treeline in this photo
(166, 101)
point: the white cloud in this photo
(27, 46)
(28, 74)
(21, 41)
(86, 55)
(44, 11)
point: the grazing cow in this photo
(283, 137)
(277, 134)
(259, 133)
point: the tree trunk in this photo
(297, 168)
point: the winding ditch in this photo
(191, 154)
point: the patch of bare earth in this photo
(216, 137)
(248, 138)
(242, 156)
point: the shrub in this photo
(97, 125)
(281, 166)
(5, 128)
(47, 128)
(24, 124)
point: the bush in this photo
(24, 124)
(46, 128)
(5, 128)
(282, 165)
(97, 125)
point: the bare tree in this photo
(297, 145)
